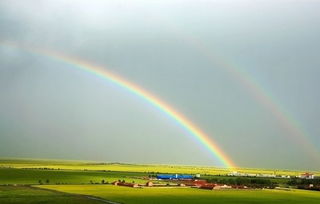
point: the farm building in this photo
(307, 176)
(215, 187)
(174, 176)
(194, 182)
(117, 183)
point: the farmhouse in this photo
(307, 176)
(215, 187)
(194, 182)
(117, 183)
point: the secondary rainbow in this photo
(102, 73)
(295, 130)
(288, 122)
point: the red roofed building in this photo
(133, 185)
(194, 182)
(215, 187)
(307, 176)
(117, 183)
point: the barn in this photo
(174, 176)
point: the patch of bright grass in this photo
(190, 195)
(26, 195)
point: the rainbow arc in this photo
(102, 73)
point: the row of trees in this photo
(297, 181)
(310, 184)
(47, 181)
(249, 182)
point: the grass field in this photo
(98, 166)
(74, 177)
(24, 194)
(32, 176)
(190, 195)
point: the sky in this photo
(246, 72)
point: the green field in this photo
(32, 176)
(99, 166)
(24, 194)
(190, 195)
(78, 180)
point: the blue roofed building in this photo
(174, 176)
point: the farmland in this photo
(32, 176)
(143, 168)
(24, 194)
(190, 195)
(74, 181)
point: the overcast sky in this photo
(183, 51)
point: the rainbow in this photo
(291, 125)
(295, 130)
(102, 73)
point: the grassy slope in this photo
(23, 194)
(189, 195)
(79, 165)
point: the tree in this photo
(47, 181)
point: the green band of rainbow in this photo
(138, 91)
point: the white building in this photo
(307, 176)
